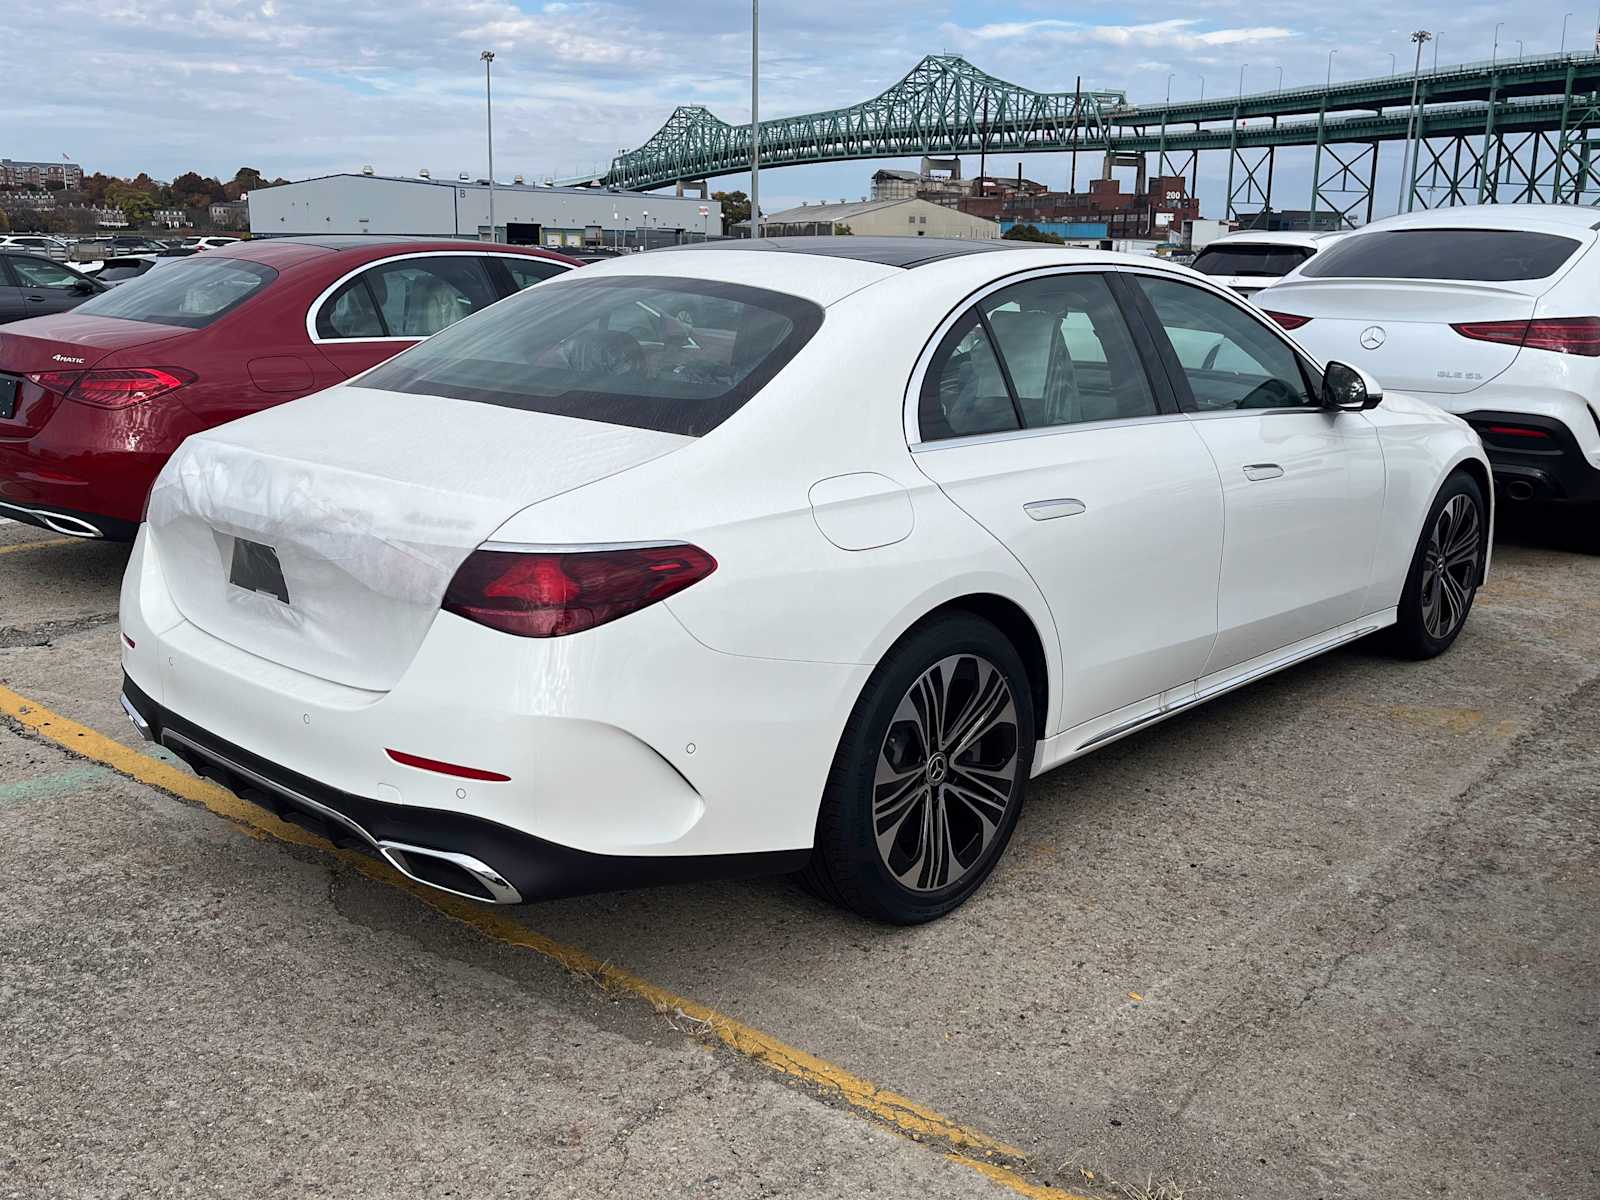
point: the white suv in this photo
(34, 243)
(1488, 311)
(1248, 262)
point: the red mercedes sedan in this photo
(94, 400)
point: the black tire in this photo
(847, 866)
(1430, 595)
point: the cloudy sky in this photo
(306, 87)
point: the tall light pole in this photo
(1280, 79)
(1438, 36)
(1202, 87)
(1565, 17)
(1519, 49)
(1494, 55)
(1394, 67)
(1331, 53)
(1420, 37)
(488, 111)
(1242, 67)
(755, 118)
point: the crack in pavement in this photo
(14, 637)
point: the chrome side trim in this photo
(1014, 435)
(569, 548)
(1227, 685)
(1278, 664)
(139, 722)
(393, 852)
(492, 881)
(57, 521)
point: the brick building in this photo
(1164, 205)
(17, 174)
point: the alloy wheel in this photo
(946, 773)
(1450, 566)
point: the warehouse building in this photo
(524, 214)
(876, 218)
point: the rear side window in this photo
(350, 312)
(192, 293)
(525, 272)
(673, 355)
(420, 296)
(1487, 255)
(1264, 261)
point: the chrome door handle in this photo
(1048, 510)
(1263, 471)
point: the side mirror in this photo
(82, 287)
(1349, 389)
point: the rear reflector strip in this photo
(1517, 431)
(444, 768)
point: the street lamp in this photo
(1519, 49)
(1564, 19)
(1407, 162)
(1393, 65)
(1202, 87)
(755, 118)
(487, 58)
(1242, 67)
(1280, 79)
(1331, 53)
(1438, 36)
(1494, 55)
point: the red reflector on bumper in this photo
(1517, 431)
(444, 768)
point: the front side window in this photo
(192, 293)
(420, 296)
(1231, 359)
(674, 355)
(37, 273)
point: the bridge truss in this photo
(1525, 130)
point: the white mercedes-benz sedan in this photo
(791, 555)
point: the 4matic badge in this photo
(62, 358)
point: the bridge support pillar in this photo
(702, 189)
(1136, 161)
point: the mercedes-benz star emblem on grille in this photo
(1372, 337)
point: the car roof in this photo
(825, 278)
(1277, 237)
(1570, 218)
(290, 251)
(888, 251)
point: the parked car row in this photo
(1490, 312)
(799, 554)
(92, 402)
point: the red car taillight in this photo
(1564, 335)
(115, 387)
(553, 594)
(1286, 320)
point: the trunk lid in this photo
(369, 500)
(1376, 326)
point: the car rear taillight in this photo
(115, 387)
(542, 594)
(1564, 335)
(1286, 320)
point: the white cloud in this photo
(1176, 33)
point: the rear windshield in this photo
(192, 293)
(673, 355)
(1266, 261)
(1487, 255)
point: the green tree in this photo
(1032, 233)
(735, 206)
(136, 205)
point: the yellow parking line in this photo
(19, 547)
(999, 1160)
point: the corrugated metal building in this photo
(525, 214)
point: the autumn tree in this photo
(735, 206)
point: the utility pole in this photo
(488, 108)
(1413, 119)
(755, 118)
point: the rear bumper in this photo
(70, 521)
(454, 852)
(1531, 467)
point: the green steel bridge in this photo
(1514, 131)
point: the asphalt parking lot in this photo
(1333, 936)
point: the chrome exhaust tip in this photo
(139, 722)
(57, 522)
(450, 872)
